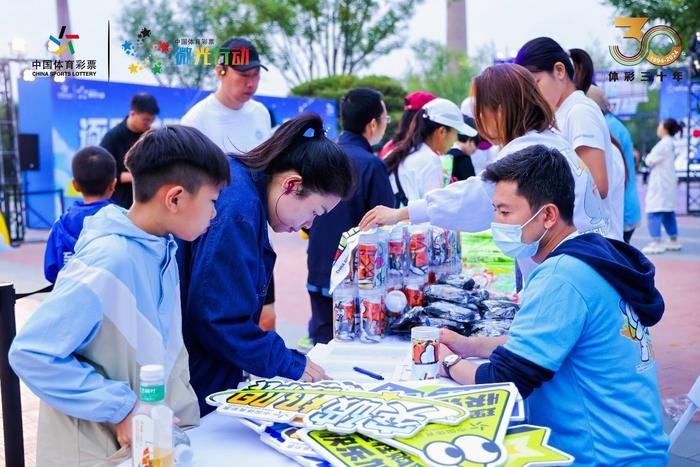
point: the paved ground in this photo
(675, 338)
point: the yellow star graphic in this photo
(134, 68)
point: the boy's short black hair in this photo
(359, 107)
(144, 102)
(175, 154)
(543, 176)
(94, 169)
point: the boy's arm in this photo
(222, 300)
(44, 354)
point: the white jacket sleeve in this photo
(466, 206)
(658, 153)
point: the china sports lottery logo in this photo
(57, 45)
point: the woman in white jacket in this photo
(661, 191)
(511, 111)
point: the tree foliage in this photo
(334, 87)
(443, 72)
(304, 39)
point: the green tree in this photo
(681, 15)
(167, 22)
(334, 87)
(443, 72)
(310, 39)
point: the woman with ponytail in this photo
(286, 182)
(414, 164)
(563, 79)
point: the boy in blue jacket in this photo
(579, 349)
(116, 306)
(95, 176)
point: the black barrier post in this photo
(11, 400)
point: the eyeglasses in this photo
(388, 119)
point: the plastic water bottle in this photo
(152, 425)
(183, 449)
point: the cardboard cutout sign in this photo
(528, 446)
(428, 389)
(353, 450)
(477, 441)
(338, 407)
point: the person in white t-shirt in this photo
(578, 118)
(233, 120)
(510, 111)
(414, 163)
(230, 117)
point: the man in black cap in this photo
(233, 120)
(230, 117)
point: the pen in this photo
(367, 372)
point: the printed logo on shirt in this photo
(634, 330)
(633, 30)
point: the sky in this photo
(507, 24)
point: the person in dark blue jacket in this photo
(95, 176)
(364, 119)
(286, 182)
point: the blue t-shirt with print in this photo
(603, 403)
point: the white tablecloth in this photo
(221, 440)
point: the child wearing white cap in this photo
(414, 164)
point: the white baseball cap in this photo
(447, 113)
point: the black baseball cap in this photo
(252, 58)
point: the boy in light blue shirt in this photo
(579, 348)
(116, 306)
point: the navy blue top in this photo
(64, 234)
(372, 189)
(224, 276)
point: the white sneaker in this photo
(654, 248)
(673, 245)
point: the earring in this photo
(290, 187)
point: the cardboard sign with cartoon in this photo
(434, 389)
(528, 446)
(478, 441)
(340, 407)
(356, 449)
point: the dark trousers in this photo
(321, 323)
(627, 235)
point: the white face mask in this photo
(509, 238)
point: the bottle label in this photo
(152, 393)
(142, 441)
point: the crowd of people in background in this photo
(172, 234)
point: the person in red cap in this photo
(413, 102)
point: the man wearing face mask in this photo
(364, 119)
(579, 348)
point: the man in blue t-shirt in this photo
(579, 348)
